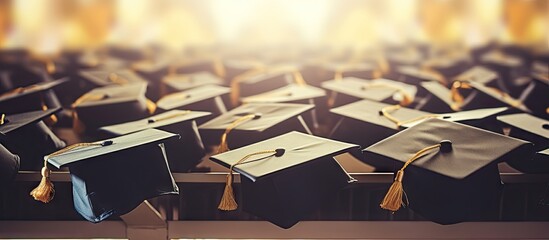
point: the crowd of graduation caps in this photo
(392, 103)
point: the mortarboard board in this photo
(536, 96)
(285, 178)
(263, 80)
(510, 70)
(205, 98)
(9, 166)
(354, 89)
(182, 82)
(236, 67)
(103, 77)
(357, 70)
(415, 75)
(448, 171)
(478, 74)
(26, 135)
(292, 93)
(362, 123)
(111, 105)
(113, 176)
(447, 66)
(183, 154)
(529, 128)
(254, 122)
(30, 98)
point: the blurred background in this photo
(48, 27)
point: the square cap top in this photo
(471, 148)
(115, 94)
(12, 122)
(289, 93)
(418, 73)
(31, 90)
(499, 58)
(527, 122)
(159, 120)
(369, 111)
(478, 74)
(105, 147)
(368, 89)
(463, 116)
(268, 115)
(500, 96)
(190, 96)
(298, 148)
(105, 77)
(187, 81)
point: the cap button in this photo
(445, 146)
(380, 112)
(257, 116)
(279, 152)
(107, 143)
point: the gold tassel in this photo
(223, 145)
(393, 199)
(228, 202)
(456, 96)
(44, 192)
(2, 119)
(151, 106)
(298, 78)
(386, 112)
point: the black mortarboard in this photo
(112, 105)
(363, 123)
(205, 98)
(182, 82)
(536, 96)
(104, 77)
(352, 89)
(285, 178)
(448, 171)
(183, 154)
(113, 176)
(26, 135)
(292, 93)
(448, 66)
(263, 80)
(416, 75)
(30, 98)
(358, 70)
(532, 129)
(254, 122)
(510, 70)
(9, 166)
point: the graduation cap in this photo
(510, 70)
(285, 178)
(235, 67)
(416, 75)
(535, 96)
(103, 77)
(353, 89)
(154, 70)
(30, 98)
(357, 70)
(182, 82)
(254, 122)
(292, 93)
(484, 96)
(530, 128)
(9, 166)
(447, 172)
(26, 135)
(113, 176)
(478, 74)
(262, 80)
(205, 98)
(184, 154)
(111, 105)
(447, 66)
